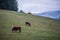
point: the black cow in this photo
(27, 23)
(16, 28)
(29, 13)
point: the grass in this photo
(42, 28)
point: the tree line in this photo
(9, 5)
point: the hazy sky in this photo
(38, 6)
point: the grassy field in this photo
(41, 28)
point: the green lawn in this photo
(41, 28)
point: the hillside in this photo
(41, 28)
(51, 14)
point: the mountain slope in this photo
(52, 14)
(41, 28)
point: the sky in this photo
(38, 6)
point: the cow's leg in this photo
(29, 24)
(19, 29)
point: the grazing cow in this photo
(29, 13)
(27, 23)
(16, 28)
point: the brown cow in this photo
(27, 23)
(16, 28)
(29, 13)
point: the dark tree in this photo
(9, 5)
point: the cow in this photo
(27, 23)
(16, 28)
(29, 13)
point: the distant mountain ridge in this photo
(51, 14)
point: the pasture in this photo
(41, 28)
